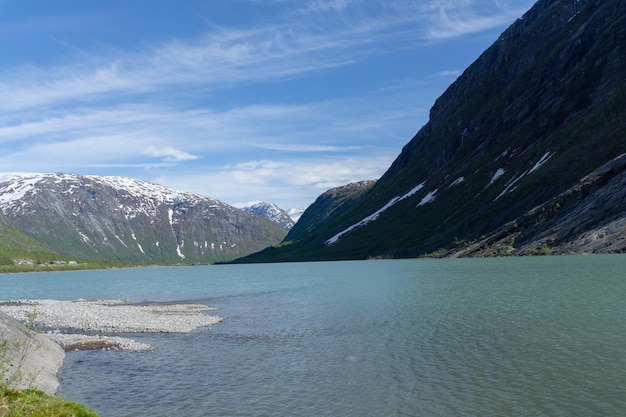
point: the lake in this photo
(540, 336)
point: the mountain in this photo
(272, 212)
(90, 217)
(15, 246)
(295, 214)
(322, 210)
(525, 153)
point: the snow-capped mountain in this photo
(295, 214)
(272, 212)
(95, 217)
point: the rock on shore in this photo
(32, 359)
(74, 342)
(28, 359)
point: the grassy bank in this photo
(80, 266)
(35, 403)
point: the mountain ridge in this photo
(93, 217)
(534, 116)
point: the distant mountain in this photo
(525, 153)
(91, 217)
(295, 214)
(272, 212)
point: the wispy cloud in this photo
(169, 154)
(332, 143)
(306, 148)
(447, 73)
(455, 18)
(258, 180)
(227, 57)
(326, 5)
(182, 110)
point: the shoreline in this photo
(110, 316)
(85, 266)
(35, 358)
(28, 359)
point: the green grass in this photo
(34, 403)
(82, 266)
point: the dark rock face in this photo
(130, 220)
(527, 124)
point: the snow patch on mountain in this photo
(512, 184)
(542, 161)
(500, 172)
(119, 217)
(428, 198)
(84, 237)
(20, 185)
(372, 217)
(456, 182)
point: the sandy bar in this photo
(74, 342)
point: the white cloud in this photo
(289, 184)
(287, 147)
(169, 154)
(327, 5)
(227, 57)
(327, 143)
(455, 18)
(179, 110)
(448, 73)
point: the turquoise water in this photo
(467, 337)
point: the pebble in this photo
(107, 316)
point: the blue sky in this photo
(239, 100)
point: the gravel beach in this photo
(111, 316)
(66, 323)
(66, 320)
(74, 342)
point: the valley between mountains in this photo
(524, 154)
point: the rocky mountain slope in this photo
(16, 247)
(91, 217)
(524, 153)
(272, 212)
(322, 210)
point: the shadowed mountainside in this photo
(523, 154)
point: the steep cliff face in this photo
(92, 217)
(527, 123)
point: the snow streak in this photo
(376, 214)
